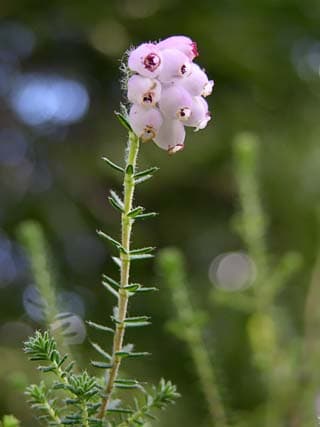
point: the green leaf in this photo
(140, 256)
(123, 121)
(133, 287)
(146, 215)
(136, 211)
(142, 250)
(70, 366)
(117, 261)
(145, 289)
(47, 368)
(110, 289)
(132, 355)
(101, 365)
(116, 201)
(145, 172)
(120, 411)
(142, 179)
(99, 327)
(111, 281)
(126, 381)
(100, 350)
(128, 384)
(109, 238)
(137, 322)
(113, 165)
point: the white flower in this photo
(200, 115)
(143, 90)
(171, 136)
(145, 122)
(176, 103)
(167, 92)
(175, 64)
(146, 60)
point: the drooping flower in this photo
(200, 115)
(146, 123)
(175, 64)
(171, 136)
(143, 90)
(197, 82)
(176, 103)
(146, 60)
(182, 43)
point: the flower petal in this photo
(175, 64)
(146, 60)
(145, 122)
(182, 43)
(176, 103)
(197, 82)
(143, 90)
(171, 136)
(200, 114)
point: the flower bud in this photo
(146, 60)
(171, 136)
(175, 64)
(200, 114)
(176, 103)
(182, 43)
(197, 83)
(145, 122)
(143, 90)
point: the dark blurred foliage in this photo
(59, 86)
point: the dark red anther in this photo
(152, 61)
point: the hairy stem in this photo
(187, 328)
(52, 413)
(85, 415)
(126, 228)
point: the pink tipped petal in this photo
(182, 43)
(146, 60)
(175, 64)
(197, 82)
(145, 122)
(143, 90)
(200, 115)
(171, 136)
(176, 103)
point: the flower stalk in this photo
(126, 229)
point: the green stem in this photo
(85, 418)
(126, 228)
(187, 328)
(52, 413)
(207, 377)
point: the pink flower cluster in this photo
(167, 92)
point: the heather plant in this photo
(274, 345)
(166, 90)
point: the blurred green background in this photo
(59, 86)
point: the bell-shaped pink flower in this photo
(145, 122)
(146, 60)
(182, 43)
(176, 103)
(175, 64)
(200, 114)
(197, 82)
(171, 136)
(143, 90)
